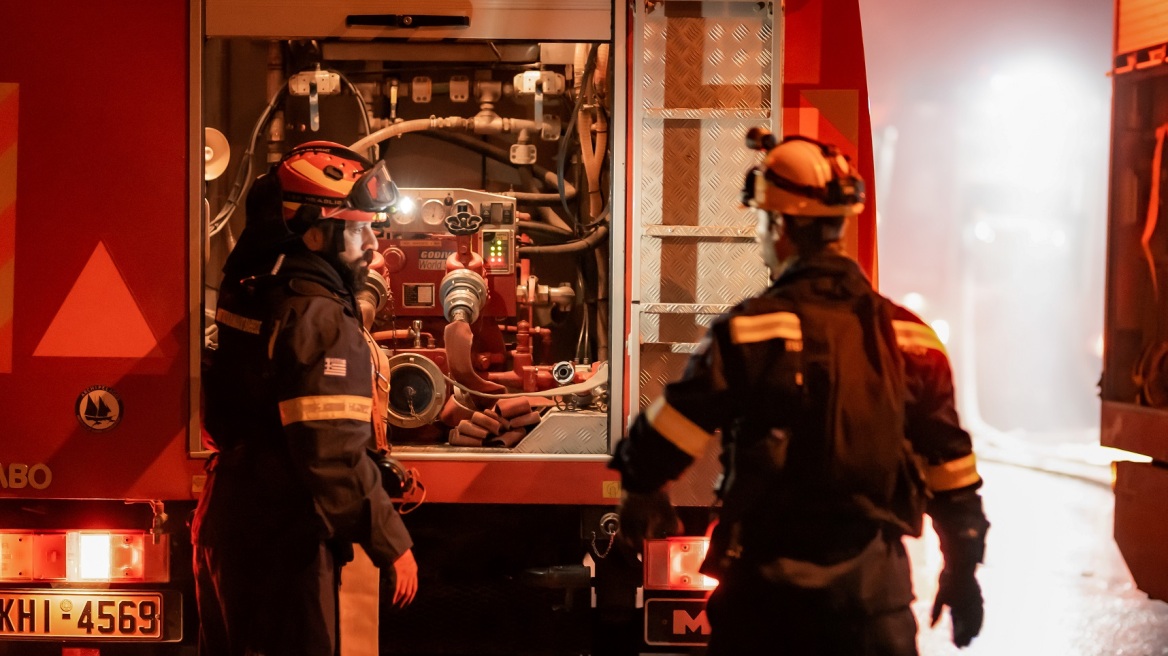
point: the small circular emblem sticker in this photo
(99, 409)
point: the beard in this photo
(353, 274)
(358, 274)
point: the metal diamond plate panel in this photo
(705, 78)
(722, 232)
(658, 366)
(584, 431)
(724, 54)
(722, 270)
(650, 333)
(696, 486)
(652, 171)
(722, 160)
(719, 272)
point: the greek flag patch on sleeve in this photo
(335, 367)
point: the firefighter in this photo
(838, 431)
(288, 396)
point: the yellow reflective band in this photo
(912, 336)
(316, 175)
(677, 428)
(761, 327)
(233, 320)
(318, 408)
(952, 475)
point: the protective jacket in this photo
(288, 407)
(755, 377)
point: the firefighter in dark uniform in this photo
(838, 431)
(288, 407)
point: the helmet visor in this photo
(374, 191)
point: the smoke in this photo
(990, 122)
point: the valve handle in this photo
(463, 223)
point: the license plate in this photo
(676, 622)
(86, 615)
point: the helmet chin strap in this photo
(768, 231)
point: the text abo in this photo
(19, 475)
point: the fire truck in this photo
(1134, 385)
(568, 179)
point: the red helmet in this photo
(343, 184)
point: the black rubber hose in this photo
(588, 242)
(544, 229)
(570, 132)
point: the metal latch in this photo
(314, 84)
(408, 21)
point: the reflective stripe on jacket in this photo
(295, 397)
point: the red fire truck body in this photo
(1133, 387)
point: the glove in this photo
(961, 529)
(961, 593)
(646, 515)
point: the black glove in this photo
(960, 592)
(961, 528)
(646, 515)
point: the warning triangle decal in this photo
(99, 318)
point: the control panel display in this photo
(498, 250)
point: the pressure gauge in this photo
(433, 212)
